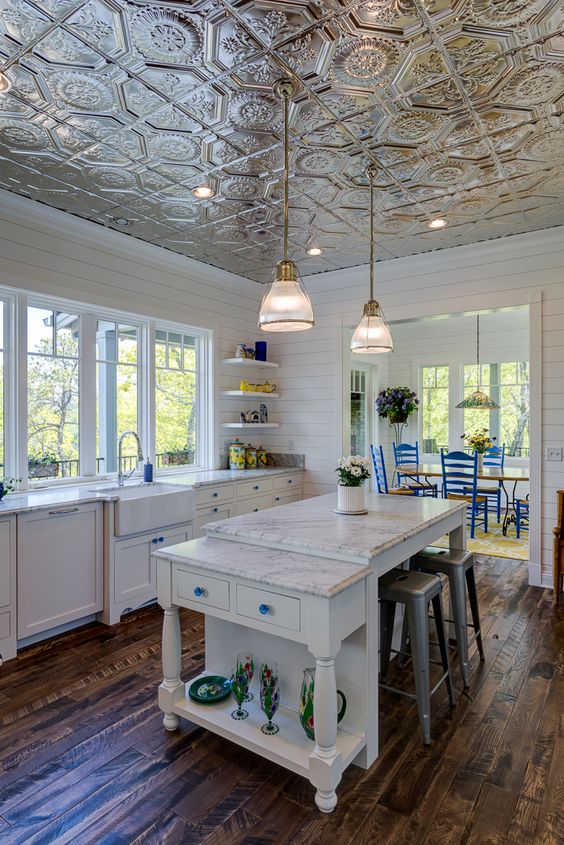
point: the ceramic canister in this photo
(251, 457)
(236, 455)
(262, 458)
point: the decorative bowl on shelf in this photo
(209, 689)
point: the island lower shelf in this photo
(290, 747)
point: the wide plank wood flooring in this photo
(84, 758)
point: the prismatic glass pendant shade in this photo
(478, 399)
(372, 335)
(285, 307)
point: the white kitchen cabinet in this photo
(60, 566)
(8, 641)
(284, 498)
(211, 514)
(257, 503)
(134, 568)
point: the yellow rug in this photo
(494, 543)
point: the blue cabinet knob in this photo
(256, 487)
(199, 591)
(289, 481)
(154, 540)
(264, 609)
(215, 495)
(215, 510)
(161, 539)
(255, 510)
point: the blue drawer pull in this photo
(215, 510)
(199, 591)
(215, 495)
(256, 487)
(264, 609)
(154, 540)
(161, 539)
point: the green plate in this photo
(209, 689)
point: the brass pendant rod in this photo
(371, 176)
(286, 175)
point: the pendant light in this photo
(285, 307)
(372, 333)
(478, 399)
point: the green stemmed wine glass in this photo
(239, 688)
(269, 696)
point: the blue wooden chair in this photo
(381, 476)
(406, 453)
(460, 481)
(521, 516)
(494, 457)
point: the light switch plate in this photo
(553, 453)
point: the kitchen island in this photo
(291, 584)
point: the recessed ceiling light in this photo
(5, 83)
(121, 221)
(203, 192)
(437, 223)
(315, 250)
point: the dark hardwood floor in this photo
(84, 757)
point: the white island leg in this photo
(325, 761)
(171, 688)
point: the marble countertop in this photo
(287, 570)
(94, 491)
(312, 526)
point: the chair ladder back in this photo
(460, 473)
(377, 454)
(495, 457)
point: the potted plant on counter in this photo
(7, 485)
(353, 472)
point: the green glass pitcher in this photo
(306, 703)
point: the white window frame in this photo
(16, 303)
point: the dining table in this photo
(501, 475)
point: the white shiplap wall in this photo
(46, 251)
(504, 272)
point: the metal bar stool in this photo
(458, 566)
(415, 590)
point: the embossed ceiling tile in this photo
(334, 135)
(376, 17)
(10, 106)
(228, 44)
(104, 154)
(544, 146)
(21, 21)
(175, 83)
(23, 135)
(62, 48)
(366, 63)
(534, 84)
(415, 127)
(166, 35)
(506, 13)
(100, 25)
(451, 173)
(422, 76)
(479, 61)
(138, 99)
(171, 118)
(82, 91)
(262, 71)
(255, 112)
(320, 162)
(242, 187)
(308, 190)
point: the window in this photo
(53, 371)
(435, 409)
(358, 409)
(73, 379)
(507, 383)
(176, 406)
(2, 471)
(117, 378)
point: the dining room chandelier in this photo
(286, 306)
(372, 335)
(478, 399)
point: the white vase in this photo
(351, 499)
(480, 461)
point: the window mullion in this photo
(87, 395)
(19, 388)
(148, 380)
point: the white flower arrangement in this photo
(353, 470)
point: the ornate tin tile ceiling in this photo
(118, 109)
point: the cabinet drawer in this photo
(210, 514)
(5, 624)
(219, 493)
(287, 482)
(259, 503)
(253, 488)
(285, 498)
(200, 589)
(272, 608)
